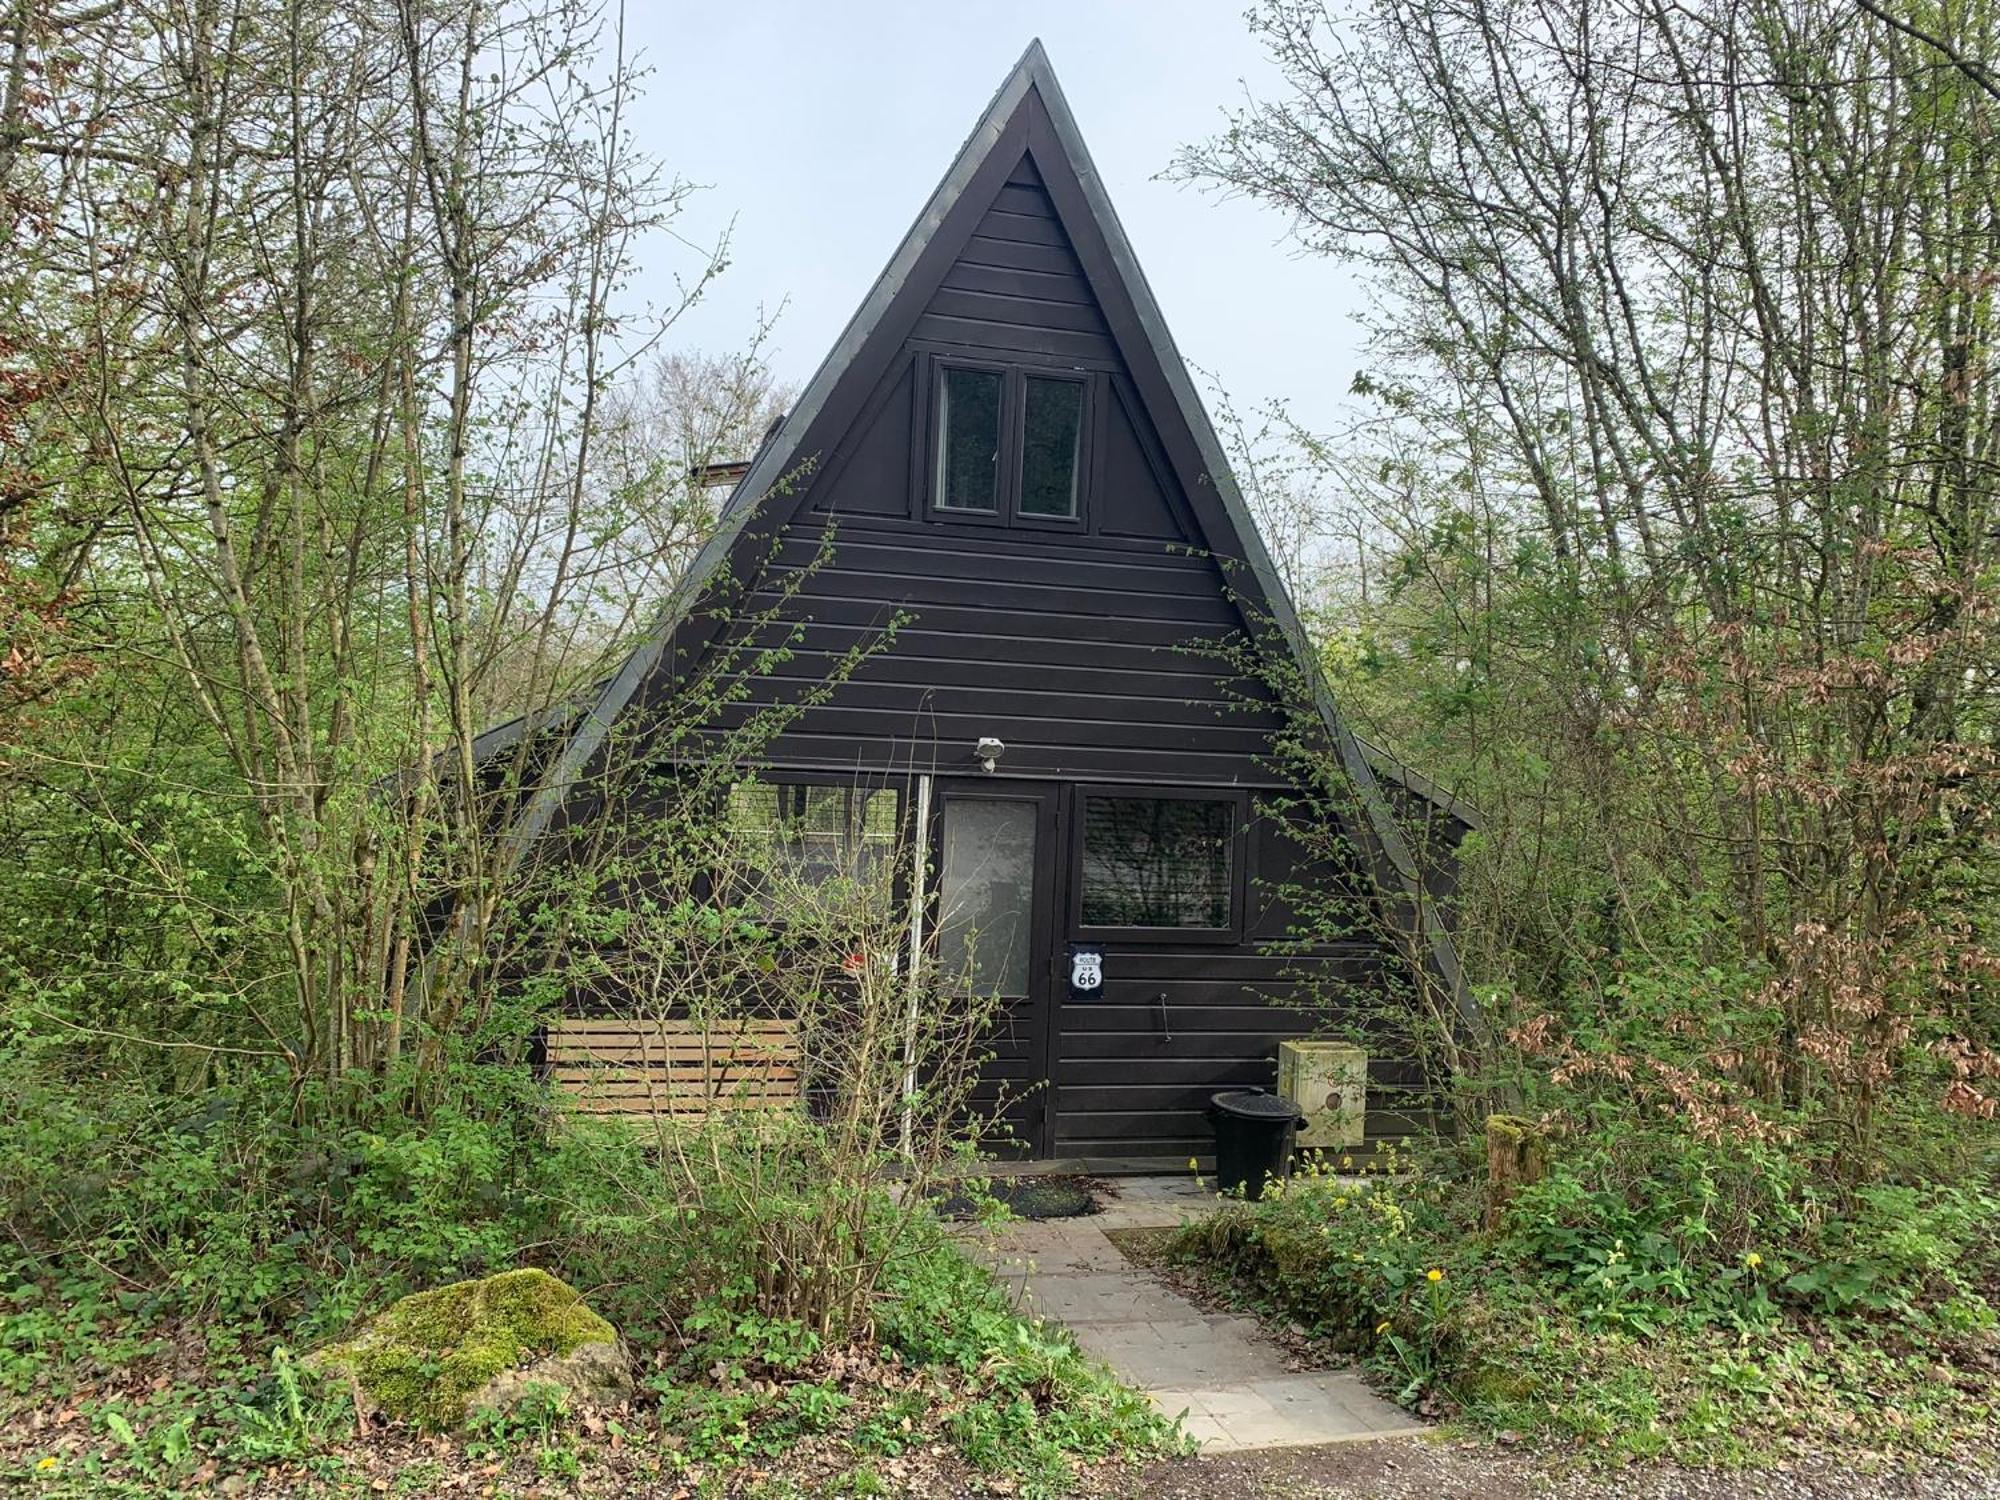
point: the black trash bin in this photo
(1253, 1139)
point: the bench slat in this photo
(621, 1067)
(598, 1025)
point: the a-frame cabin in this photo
(1013, 458)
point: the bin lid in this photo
(1255, 1104)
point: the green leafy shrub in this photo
(253, 1209)
(1652, 1290)
(952, 1361)
(229, 1216)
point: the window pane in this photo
(1155, 862)
(969, 442)
(875, 830)
(753, 819)
(986, 894)
(1052, 430)
(814, 834)
(817, 842)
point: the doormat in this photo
(1025, 1198)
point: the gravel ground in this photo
(1411, 1469)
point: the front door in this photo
(996, 858)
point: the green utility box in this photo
(1328, 1081)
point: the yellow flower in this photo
(1434, 1274)
(1381, 1328)
(1194, 1164)
(46, 1465)
(1753, 1260)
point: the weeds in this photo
(1610, 1311)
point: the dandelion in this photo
(1194, 1164)
(1434, 1274)
(46, 1466)
(1381, 1327)
(1753, 1260)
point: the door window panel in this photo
(1156, 862)
(986, 893)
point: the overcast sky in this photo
(821, 128)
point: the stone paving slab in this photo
(1085, 1300)
(1217, 1372)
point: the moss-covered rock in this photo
(438, 1356)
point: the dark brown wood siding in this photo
(1088, 657)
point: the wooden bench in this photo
(629, 1068)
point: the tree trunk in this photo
(1516, 1157)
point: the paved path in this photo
(1228, 1379)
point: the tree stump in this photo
(1515, 1157)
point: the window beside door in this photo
(1158, 865)
(811, 833)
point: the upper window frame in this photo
(1231, 934)
(1013, 442)
(941, 373)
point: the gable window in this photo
(969, 440)
(1158, 863)
(1051, 446)
(1009, 445)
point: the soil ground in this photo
(1470, 1469)
(1398, 1469)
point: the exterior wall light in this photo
(988, 753)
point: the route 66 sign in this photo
(1086, 972)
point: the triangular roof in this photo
(1028, 115)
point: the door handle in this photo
(1166, 1030)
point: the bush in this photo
(953, 1363)
(256, 1210)
(1653, 1289)
(221, 1230)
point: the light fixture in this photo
(988, 752)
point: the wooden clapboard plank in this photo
(641, 1075)
(591, 1025)
(583, 1079)
(692, 1089)
(589, 1106)
(687, 1044)
(693, 1067)
(657, 1057)
(620, 1067)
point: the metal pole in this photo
(919, 868)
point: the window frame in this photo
(1019, 473)
(786, 781)
(1237, 799)
(1002, 461)
(1013, 442)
